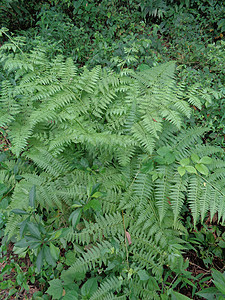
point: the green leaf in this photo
(221, 244)
(19, 212)
(56, 234)
(94, 188)
(70, 258)
(75, 217)
(181, 171)
(219, 281)
(191, 169)
(143, 67)
(71, 295)
(96, 195)
(55, 251)
(69, 278)
(178, 296)
(209, 293)
(95, 204)
(185, 161)
(147, 166)
(143, 275)
(170, 158)
(39, 261)
(48, 257)
(206, 160)
(3, 189)
(163, 151)
(202, 169)
(34, 244)
(34, 231)
(23, 225)
(195, 158)
(160, 160)
(2, 158)
(90, 286)
(71, 287)
(22, 243)
(56, 289)
(32, 196)
(154, 176)
(164, 297)
(4, 203)
(76, 205)
(152, 284)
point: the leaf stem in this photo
(125, 241)
(9, 37)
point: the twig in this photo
(7, 192)
(125, 241)
(173, 280)
(9, 37)
(206, 271)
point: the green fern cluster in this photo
(113, 149)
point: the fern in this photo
(162, 191)
(95, 255)
(108, 285)
(176, 196)
(109, 147)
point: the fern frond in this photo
(194, 190)
(111, 202)
(192, 97)
(214, 203)
(20, 200)
(95, 255)
(109, 225)
(221, 208)
(177, 195)
(110, 284)
(143, 186)
(162, 189)
(44, 160)
(146, 140)
(186, 139)
(152, 123)
(144, 290)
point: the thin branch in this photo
(125, 241)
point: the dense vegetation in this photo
(112, 166)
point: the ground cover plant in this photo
(112, 161)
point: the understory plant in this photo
(106, 166)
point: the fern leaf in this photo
(194, 189)
(96, 254)
(177, 195)
(110, 284)
(162, 189)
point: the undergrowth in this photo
(112, 176)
